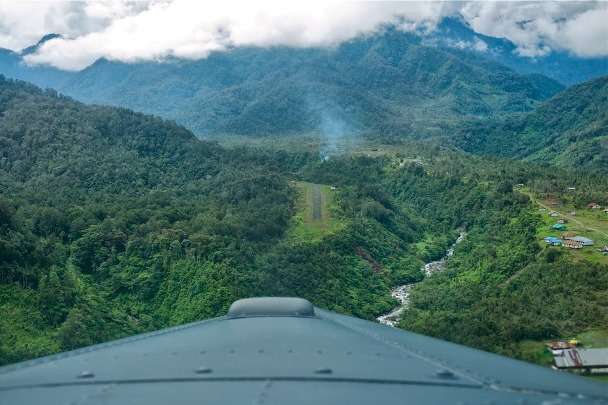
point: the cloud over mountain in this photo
(134, 31)
(537, 28)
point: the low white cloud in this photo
(587, 34)
(192, 30)
(156, 29)
(24, 22)
(477, 44)
(538, 28)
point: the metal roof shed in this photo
(587, 359)
(583, 240)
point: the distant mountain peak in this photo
(455, 32)
(34, 48)
(456, 22)
(48, 37)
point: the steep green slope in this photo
(570, 129)
(505, 289)
(389, 83)
(44, 135)
(114, 222)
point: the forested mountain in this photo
(13, 66)
(562, 66)
(389, 83)
(570, 129)
(46, 135)
(114, 222)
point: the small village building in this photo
(571, 188)
(581, 239)
(573, 213)
(594, 206)
(559, 227)
(568, 234)
(561, 221)
(604, 250)
(572, 244)
(553, 241)
(560, 345)
(554, 214)
(556, 347)
(589, 361)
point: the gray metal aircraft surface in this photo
(285, 351)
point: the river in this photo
(402, 292)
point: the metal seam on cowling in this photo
(598, 400)
(245, 379)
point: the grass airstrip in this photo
(315, 212)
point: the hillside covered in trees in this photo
(570, 129)
(114, 222)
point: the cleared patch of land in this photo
(347, 144)
(590, 223)
(316, 212)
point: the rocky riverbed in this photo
(402, 292)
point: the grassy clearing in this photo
(311, 142)
(592, 224)
(305, 226)
(349, 144)
(590, 253)
(301, 143)
(589, 223)
(594, 338)
(536, 352)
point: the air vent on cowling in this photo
(271, 306)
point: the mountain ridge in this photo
(388, 83)
(34, 48)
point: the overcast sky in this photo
(151, 30)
